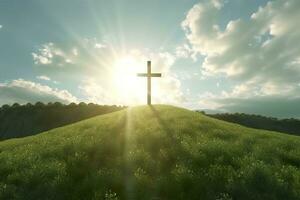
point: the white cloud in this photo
(185, 51)
(44, 55)
(75, 52)
(51, 54)
(269, 99)
(45, 78)
(99, 46)
(201, 27)
(95, 93)
(23, 91)
(218, 3)
(1, 26)
(261, 53)
(263, 48)
(276, 105)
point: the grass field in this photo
(159, 152)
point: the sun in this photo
(130, 88)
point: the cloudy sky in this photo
(223, 55)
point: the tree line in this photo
(29, 119)
(290, 126)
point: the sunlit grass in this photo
(159, 152)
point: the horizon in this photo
(222, 56)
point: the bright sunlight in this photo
(126, 83)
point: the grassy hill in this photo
(159, 152)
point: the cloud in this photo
(255, 100)
(263, 48)
(23, 91)
(44, 55)
(45, 78)
(95, 93)
(260, 54)
(51, 54)
(99, 45)
(1, 26)
(185, 51)
(265, 105)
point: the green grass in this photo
(159, 152)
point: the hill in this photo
(290, 126)
(158, 152)
(23, 120)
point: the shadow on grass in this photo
(177, 149)
(177, 158)
(161, 122)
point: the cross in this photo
(149, 75)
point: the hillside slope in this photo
(159, 152)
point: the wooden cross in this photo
(149, 75)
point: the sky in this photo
(218, 55)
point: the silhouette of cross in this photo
(149, 75)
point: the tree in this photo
(28, 105)
(82, 104)
(58, 104)
(91, 104)
(32, 119)
(15, 105)
(39, 104)
(5, 107)
(72, 105)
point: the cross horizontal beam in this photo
(150, 75)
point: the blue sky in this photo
(214, 55)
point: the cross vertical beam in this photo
(149, 75)
(149, 82)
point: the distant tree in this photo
(82, 104)
(28, 105)
(72, 104)
(15, 105)
(5, 107)
(27, 120)
(39, 104)
(58, 104)
(291, 126)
